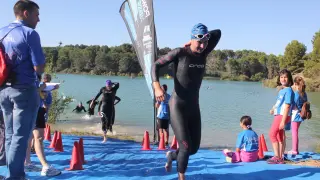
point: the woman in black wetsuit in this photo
(189, 68)
(116, 98)
(108, 96)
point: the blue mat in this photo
(123, 160)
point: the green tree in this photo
(272, 66)
(293, 56)
(312, 65)
(315, 56)
(126, 62)
(102, 62)
(233, 67)
(78, 59)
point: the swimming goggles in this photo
(202, 37)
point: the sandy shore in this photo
(92, 126)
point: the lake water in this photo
(222, 103)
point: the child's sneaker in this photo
(275, 160)
(50, 171)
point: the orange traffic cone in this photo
(161, 143)
(48, 134)
(260, 151)
(76, 162)
(264, 145)
(54, 140)
(81, 151)
(59, 146)
(174, 143)
(146, 141)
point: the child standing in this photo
(247, 143)
(282, 113)
(163, 115)
(300, 97)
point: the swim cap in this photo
(198, 29)
(108, 83)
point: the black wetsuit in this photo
(114, 111)
(107, 105)
(189, 69)
(78, 109)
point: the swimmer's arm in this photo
(97, 96)
(84, 109)
(161, 62)
(215, 36)
(116, 85)
(118, 100)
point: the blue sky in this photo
(263, 25)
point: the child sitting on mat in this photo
(247, 144)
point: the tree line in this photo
(246, 65)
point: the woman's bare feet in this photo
(168, 165)
(104, 138)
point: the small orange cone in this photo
(54, 140)
(260, 152)
(264, 145)
(48, 134)
(76, 162)
(81, 151)
(161, 143)
(174, 143)
(59, 146)
(146, 141)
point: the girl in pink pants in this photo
(300, 97)
(282, 113)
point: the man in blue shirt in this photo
(19, 97)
